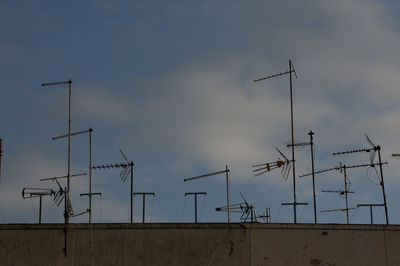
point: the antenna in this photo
(195, 201)
(1, 153)
(127, 168)
(144, 201)
(244, 208)
(266, 216)
(90, 130)
(374, 148)
(310, 143)
(226, 171)
(266, 167)
(290, 71)
(370, 209)
(28, 193)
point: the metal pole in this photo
(69, 144)
(131, 165)
(65, 223)
(227, 194)
(382, 184)
(90, 175)
(195, 208)
(313, 175)
(292, 131)
(345, 193)
(1, 154)
(144, 207)
(370, 213)
(40, 209)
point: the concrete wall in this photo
(200, 244)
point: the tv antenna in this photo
(28, 193)
(69, 135)
(90, 194)
(244, 208)
(226, 172)
(266, 216)
(127, 168)
(195, 201)
(310, 143)
(290, 71)
(372, 150)
(262, 168)
(370, 209)
(144, 194)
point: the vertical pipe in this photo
(90, 175)
(144, 207)
(195, 207)
(1, 154)
(370, 213)
(65, 224)
(131, 165)
(292, 131)
(383, 184)
(227, 193)
(345, 193)
(313, 175)
(69, 146)
(40, 209)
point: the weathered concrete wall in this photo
(200, 244)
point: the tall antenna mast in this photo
(127, 168)
(374, 148)
(291, 70)
(90, 130)
(226, 171)
(144, 194)
(311, 144)
(195, 201)
(69, 136)
(1, 153)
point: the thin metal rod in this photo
(370, 209)
(1, 154)
(370, 212)
(73, 134)
(69, 145)
(201, 176)
(144, 202)
(345, 193)
(40, 209)
(383, 184)
(90, 175)
(227, 194)
(131, 165)
(313, 174)
(292, 131)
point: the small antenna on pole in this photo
(195, 201)
(226, 172)
(127, 168)
(28, 193)
(144, 194)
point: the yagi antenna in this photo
(127, 168)
(244, 208)
(290, 71)
(374, 148)
(266, 167)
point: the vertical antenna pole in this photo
(131, 165)
(40, 209)
(65, 224)
(292, 131)
(313, 174)
(69, 145)
(144, 207)
(195, 208)
(345, 193)
(227, 194)
(90, 175)
(370, 213)
(382, 184)
(1, 153)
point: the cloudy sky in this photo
(171, 84)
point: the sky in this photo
(170, 83)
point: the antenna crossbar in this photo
(59, 177)
(339, 210)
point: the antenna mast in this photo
(291, 70)
(144, 202)
(195, 201)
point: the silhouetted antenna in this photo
(90, 130)
(266, 216)
(28, 193)
(311, 144)
(144, 194)
(195, 201)
(266, 167)
(127, 168)
(374, 148)
(290, 71)
(60, 177)
(226, 172)
(244, 208)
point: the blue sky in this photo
(170, 83)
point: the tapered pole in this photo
(313, 174)
(292, 131)
(383, 184)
